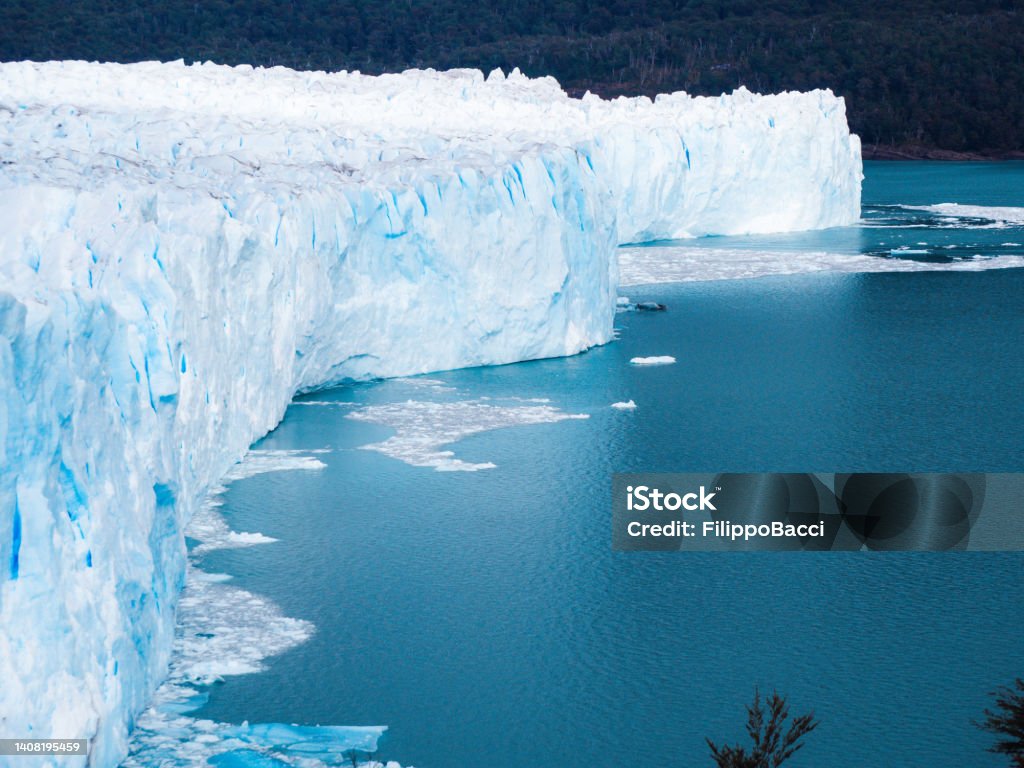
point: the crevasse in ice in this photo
(182, 248)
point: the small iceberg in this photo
(625, 305)
(660, 360)
(629, 405)
(245, 538)
(328, 743)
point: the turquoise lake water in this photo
(482, 615)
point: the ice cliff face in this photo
(184, 248)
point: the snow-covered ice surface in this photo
(182, 249)
(683, 263)
(423, 428)
(222, 631)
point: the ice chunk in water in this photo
(657, 360)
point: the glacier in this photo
(183, 248)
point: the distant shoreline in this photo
(876, 152)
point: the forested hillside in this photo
(930, 74)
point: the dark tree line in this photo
(1005, 719)
(775, 737)
(943, 74)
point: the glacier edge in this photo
(186, 247)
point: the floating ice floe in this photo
(326, 403)
(212, 532)
(209, 528)
(999, 215)
(259, 461)
(651, 265)
(423, 428)
(422, 382)
(658, 360)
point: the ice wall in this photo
(184, 248)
